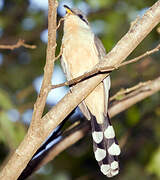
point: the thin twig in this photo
(19, 43)
(156, 49)
(128, 90)
(60, 53)
(82, 77)
(61, 49)
(59, 23)
(106, 69)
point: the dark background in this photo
(21, 71)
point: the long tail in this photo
(106, 148)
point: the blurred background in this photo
(21, 73)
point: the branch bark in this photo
(149, 88)
(41, 128)
(20, 43)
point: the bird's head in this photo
(75, 18)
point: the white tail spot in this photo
(97, 136)
(114, 165)
(114, 150)
(109, 132)
(100, 154)
(105, 168)
(110, 170)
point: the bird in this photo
(82, 50)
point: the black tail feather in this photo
(106, 148)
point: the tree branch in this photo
(147, 89)
(19, 43)
(122, 93)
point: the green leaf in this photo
(5, 101)
(154, 164)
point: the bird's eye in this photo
(80, 16)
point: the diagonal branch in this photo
(147, 89)
(122, 93)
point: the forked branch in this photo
(20, 43)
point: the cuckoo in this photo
(82, 50)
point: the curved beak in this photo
(68, 10)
